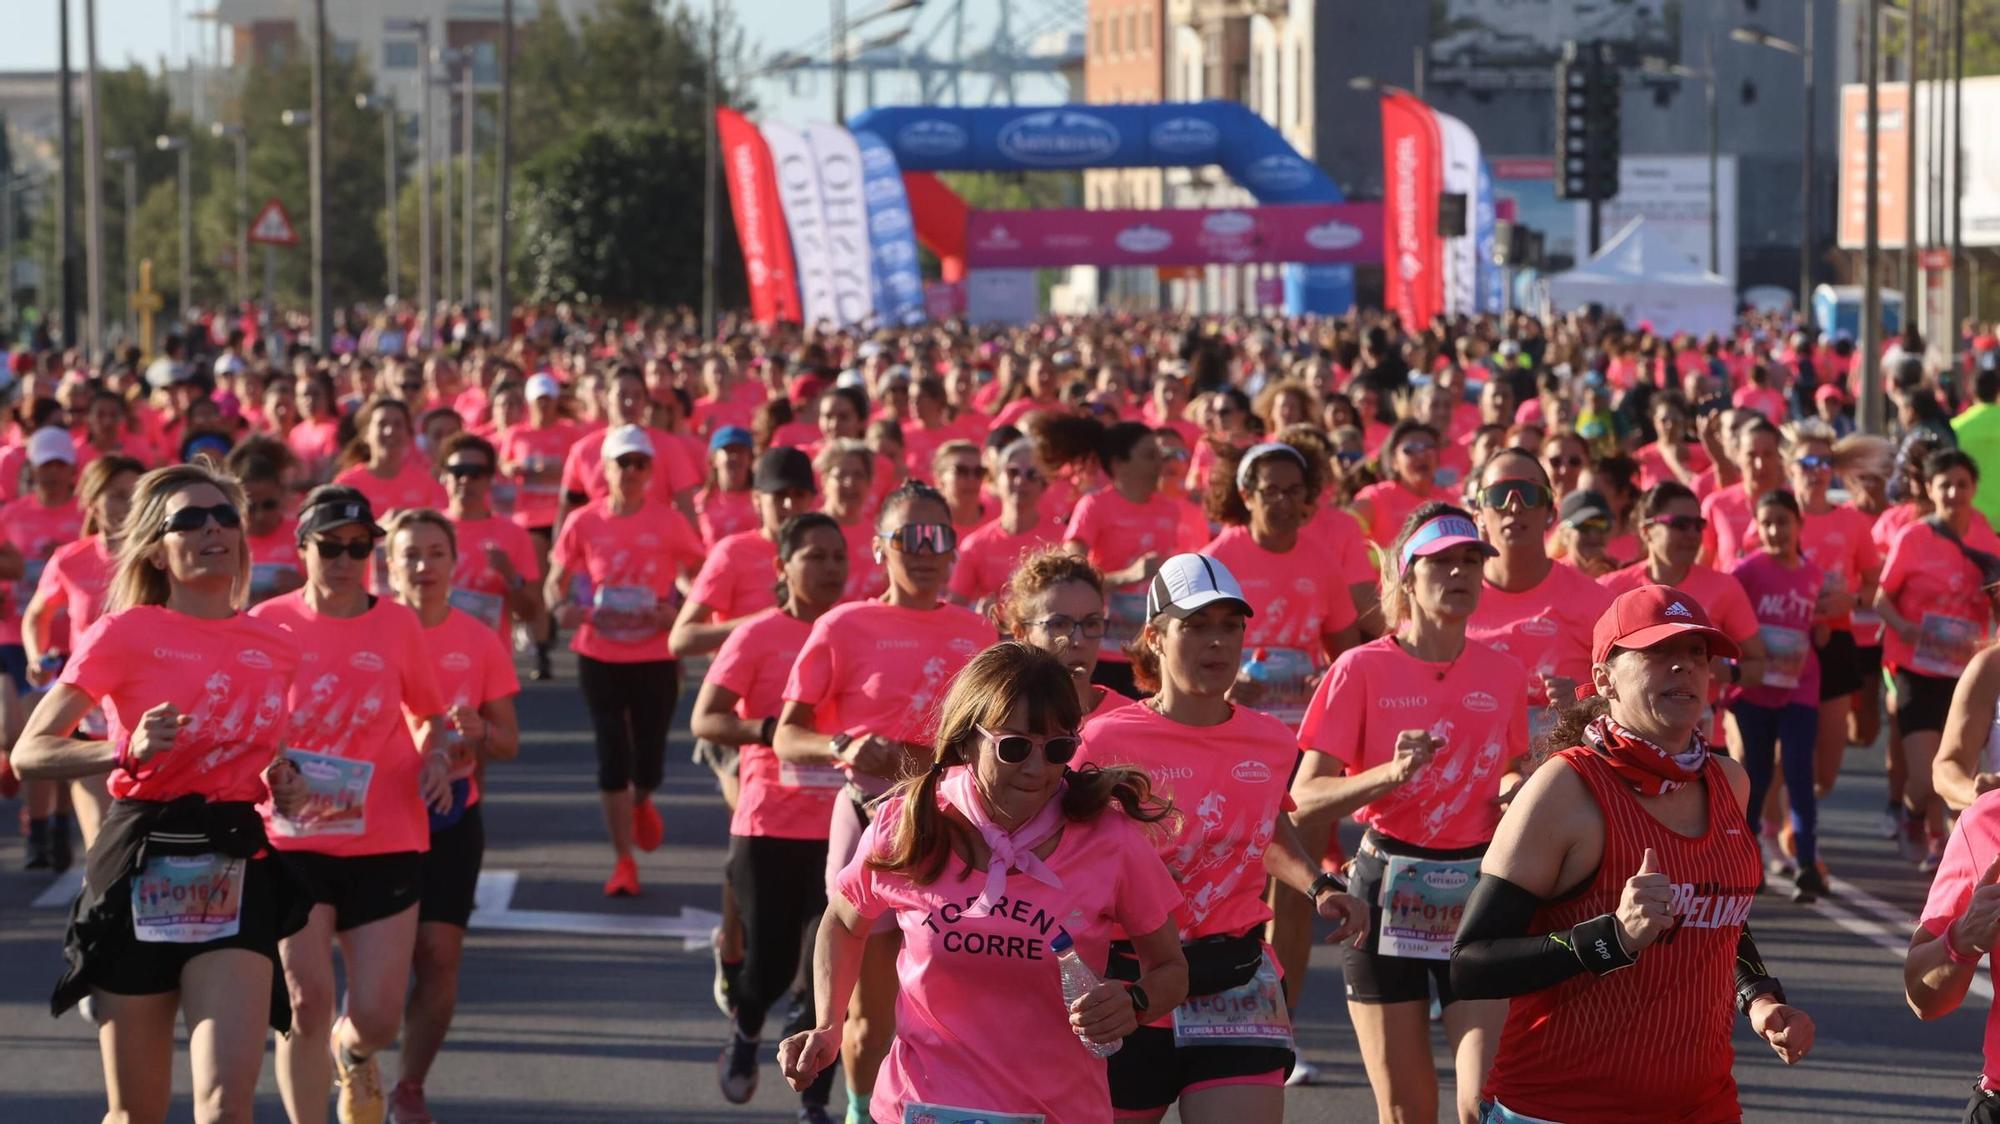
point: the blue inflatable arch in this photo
(1160, 135)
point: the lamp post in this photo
(322, 309)
(422, 30)
(130, 159)
(179, 146)
(468, 74)
(237, 134)
(390, 236)
(446, 58)
(1663, 67)
(93, 189)
(503, 154)
(1872, 413)
(1761, 38)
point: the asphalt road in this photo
(617, 1024)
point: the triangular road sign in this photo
(273, 227)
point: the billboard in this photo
(1325, 233)
(1980, 210)
(1470, 37)
(1671, 194)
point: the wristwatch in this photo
(1139, 999)
(1320, 884)
(839, 744)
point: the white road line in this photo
(495, 890)
(1886, 926)
(58, 894)
(694, 926)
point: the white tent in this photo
(1641, 276)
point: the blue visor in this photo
(1442, 533)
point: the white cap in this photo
(163, 372)
(229, 363)
(51, 444)
(627, 439)
(1510, 347)
(1187, 583)
(852, 377)
(543, 386)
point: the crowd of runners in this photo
(1039, 667)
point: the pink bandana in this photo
(1014, 849)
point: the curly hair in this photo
(1224, 502)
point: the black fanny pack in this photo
(1215, 964)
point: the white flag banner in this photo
(1460, 149)
(845, 205)
(805, 216)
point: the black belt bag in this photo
(1215, 964)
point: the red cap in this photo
(1830, 392)
(1643, 617)
(22, 362)
(803, 387)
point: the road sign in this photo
(1934, 260)
(273, 227)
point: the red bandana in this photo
(1643, 765)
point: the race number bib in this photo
(1124, 616)
(1785, 653)
(187, 899)
(810, 776)
(336, 796)
(486, 607)
(503, 497)
(541, 476)
(1944, 645)
(625, 613)
(915, 1113)
(1286, 674)
(1252, 1014)
(1422, 902)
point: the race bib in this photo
(484, 606)
(503, 497)
(1252, 1014)
(625, 613)
(1867, 627)
(264, 578)
(1944, 645)
(1286, 674)
(187, 899)
(336, 796)
(810, 776)
(1124, 616)
(1785, 653)
(1422, 902)
(541, 476)
(914, 1113)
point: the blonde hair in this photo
(97, 478)
(410, 517)
(838, 449)
(142, 579)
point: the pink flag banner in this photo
(1308, 233)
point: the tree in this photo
(606, 216)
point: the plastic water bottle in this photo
(1078, 979)
(1258, 670)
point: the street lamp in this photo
(242, 139)
(390, 119)
(446, 58)
(1758, 37)
(1365, 84)
(179, 146)
(1667, 69)
(421, 29)
(130, 158)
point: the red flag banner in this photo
(1412, 167)
(760, 223)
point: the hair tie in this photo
(937, 766)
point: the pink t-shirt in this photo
(1653, 468)
(1229, 782)
(866, 578)
(632, 562)
(359, 679)
(533, 460)
(1930, 581)
(37, 530)
(777, 799)
(1115, 533)
(869, 667)
(1545, 629)
(1783, 599)
(957, 972)
(474, 668)
(738, 408)
(1975, 839)
(1839, 543)
(719, 515)
(739, 576)
(987, 557)
(1732, 525)
(477, 587)
(77, 580)
(413, 486)
(1296, 606)
(1476, 703)
(316, 443)
(1389, 504)
(229, 676)
(673, 472)
(1764, 400)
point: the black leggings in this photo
(631, 706)
(780, 894)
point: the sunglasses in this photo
(1679, 522)
(923, 538)
(1416, 448)
(469, 471)
(1024, 476)
(1014, 748)
(330, 549)
(1815, 463)
(1592, 527)
(188, 520)
(1498, 496)
(1349, 456)
(633, 462)
(1571, 461)
(971, 470)
(1091, 627)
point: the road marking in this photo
(58, 894)
(493, 909)
(1886, 926)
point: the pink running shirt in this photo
(413, 486)
(740, 576)
(1975, 839)
(78, 580)
(477, 586)
(988, 556)
(1930, 581)
(1296, 605)
(36, 530)
(533, 458)
(633, 561)
(777, 799)
(1545, 629)
(474, 667)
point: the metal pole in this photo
(1806, 171)
(395, 263)
(93, 190)
(1714, 162)
(6, 250)
(445, 196)
(322, 308)
(187, 230)
(426, 270)
(840, 62)
(66, 205)
(1417, 70)
(469, 130)
(709, 163)
(504, 164)
(1957, 228)
(243, 294)
(132, 244)
(1910, 166)
(1872, 411)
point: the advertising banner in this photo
(1671, 194)
(1484, 214)
(805, 220)
(892, 237)
(846, 212)
(1318, 233)
(760, 221)
(1412, 275)
(1461, 251)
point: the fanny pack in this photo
(1215, 964)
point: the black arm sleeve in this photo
(1752, 980)
(1495, 957)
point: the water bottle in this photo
(1258, 670)
(1078, 979)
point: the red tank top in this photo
(1650, 1043)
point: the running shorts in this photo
(153, 968)
(451, 870)
(1840, 670)
(360, 888)
(1922, 702)
(1370, 976)
(1149, 1072)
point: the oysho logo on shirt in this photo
(165, 653)
(1538, 626)
(1402, 702)
(1251, 772)
(1481, 702)
(456, 661)
(253, 658)
(366, 661)
(1171, 773)
(896, 645)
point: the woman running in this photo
(531, 457)
(847, 468)
(1409, 474)
(731, 585)
(45, 518)
(1732, 511)
(181, 767)
(358, 842)
(723, 505)
(633, 547)
(1223, 1055)
(1422, 736)
(1634, 832)
(383, 463)
(267, 468)
(860, 697)
(1958, 931)
(778, 827)
(989, 555)
(475, 672)
(1055, 601)
(498, 580)
(996, 863)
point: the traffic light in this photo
(1587, 109)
